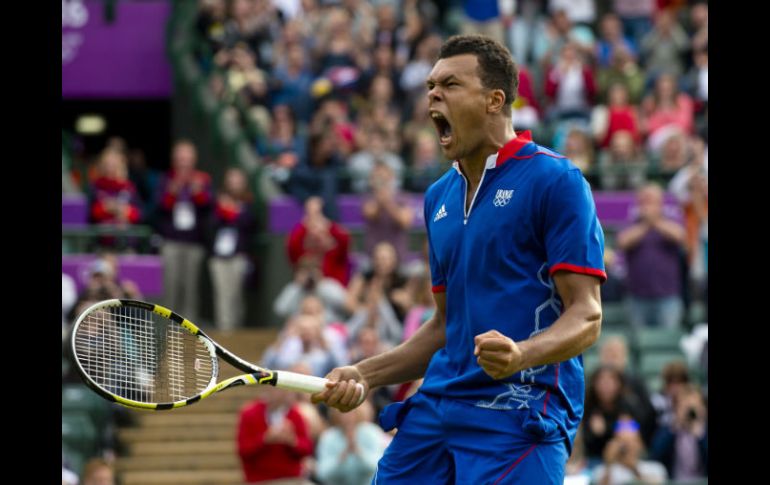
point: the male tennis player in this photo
(516, 262)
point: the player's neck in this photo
(498, 134)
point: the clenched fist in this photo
(497, 354)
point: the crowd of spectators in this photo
(336, 90)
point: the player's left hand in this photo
(497, 354)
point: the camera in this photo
(692, 414)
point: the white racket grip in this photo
(305, 383)
(299, 382)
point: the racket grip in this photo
(300, 382)
(305, 383)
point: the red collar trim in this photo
(512, 147)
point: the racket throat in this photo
(271, 379)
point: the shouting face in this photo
(457, 104)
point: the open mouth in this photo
(443, 127)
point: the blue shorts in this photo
(441, 441)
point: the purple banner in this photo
(615, 210)
(144, 270)
(122, 59)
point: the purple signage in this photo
(122, 59)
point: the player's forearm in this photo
(570, 335)
(409, 360)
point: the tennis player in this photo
(516, 262)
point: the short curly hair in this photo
(496, 67)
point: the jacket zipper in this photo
(467, 213)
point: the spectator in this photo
(103, 284)
(317, 236)
(696, 82)
(387, 212)
(666, 112)
(310, 280)
(675, 375)
(421, 303)
(319, 175)
(185, 204)
(233, 225)
(579, 148)
(663, 48)
(377, 298)
(559, 31)
(622, 459)
(210, 25)
(69, 296)
(486, 17)
(653, 246)
(606, 403)
(145, 179)
(285, 147)
(623, 70)
(291, 82)
(699, 26)
(426, 166)
(673, 155)
(361, 163)
(273, 439)
(682, 445)
(418, 122)
(383, 64)
(570, 86)
(612, 39)
(252, 23)
(619, 114)
(622, 165)
(334, 331)
(526, 107)
(412, 80)
(97, 471)
(349, 450)
(114, 199)
(303, 341)
(614, 353)
(366, 344)
(636, 16)
(690, 187)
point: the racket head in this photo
(142, 355)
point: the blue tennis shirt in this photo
(532, 215)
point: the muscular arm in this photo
(404, 363)
(410, 360)
(573, 332)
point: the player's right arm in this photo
(404, 363)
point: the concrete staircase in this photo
(194, 445)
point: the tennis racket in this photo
(145, 356)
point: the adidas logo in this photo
(440, 214)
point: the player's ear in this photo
(495, 100)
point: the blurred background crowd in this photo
(323, 202)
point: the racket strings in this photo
(138, 355)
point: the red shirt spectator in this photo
(272, 446)
(317, 236)
(114, 199)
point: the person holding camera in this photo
(310, 280)
(387, 212)
(682, 445)
(622, 459)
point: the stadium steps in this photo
(194, 445)
(187, 448)
(207, 461)
(178, 477)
